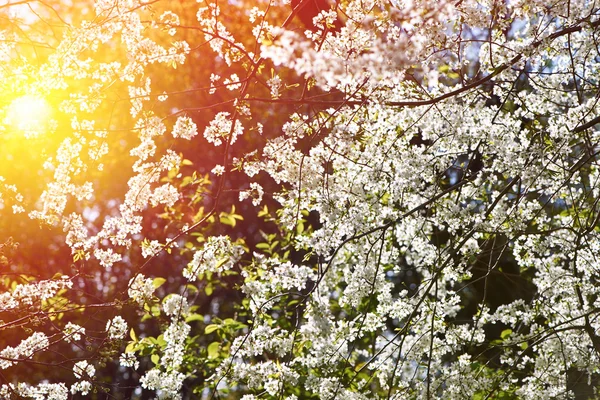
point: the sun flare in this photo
(29, 114)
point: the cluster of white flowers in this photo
(77, 233)
(216, 33)
(277, 278)
(68, 164)
(254, 14)
(233, 82)
(268, 374)
(107, 257)
(138, 96)
(275, 84)
(83, 371)
(175, 305)
(217, 255)
(150, 248)
(263, 339)
(129, 360)
(166, 194)
(140, 289)
(175, 336)
(185, 128)
(171, 20)
(116, 328)
(10, 191)
(218, 170)
(222, 128)
(213, 79)
(166, 377)
(29, 294)
(73, 332)
(43, 391)
(27, 348)
(167, 384)
(255, 192)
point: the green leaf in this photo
(146, 317)
(213, 350)
(186, 181)
(264, 212)
(158, 282)
(155, 359)
(227, 220)
(131, 347)
(210, 328)
(194, 317)
(155, 310)
(132, 335)
(505, 333)
(145, 350)
(191, 288)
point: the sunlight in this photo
(29, 114)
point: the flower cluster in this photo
(175, 305)
(218, 254)
(256, 193)
(73, 332)
(27, 348)
(140, 289)
(83, 371)
(29, 294)
(116, 328)
(222, 128)
(166, 378)
(46, 391)
(185, 128)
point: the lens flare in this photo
(28, 114)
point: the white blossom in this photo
(73, 332)
(218, 254)
(140, 289)
(184, 128)
(26, 349)
(117, 328)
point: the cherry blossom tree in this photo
(353, 200)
